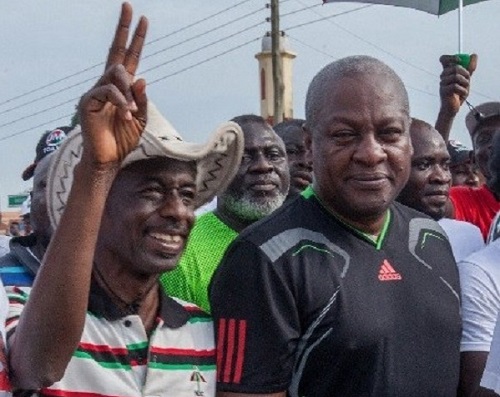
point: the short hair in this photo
(357, 65)
(249, 119)
(282, 128)
(420, 124)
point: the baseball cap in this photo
(48, 143)
(217, 161)
(480, 113)
(459, 153)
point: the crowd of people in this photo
(352, 253)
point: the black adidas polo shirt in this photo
(305, 303)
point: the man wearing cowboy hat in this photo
(122, 194)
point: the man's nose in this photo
(370, 151)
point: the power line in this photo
(94, 78)
(411, 64)
(102, 63)
(301, 9)
(197, 22)
(205, 60)
(149, 84)
(328, 17)
(244, 30)
(204, 33)
(29, 116)
(369, 42)
(35, 127)
(48, 85)
(334, 58)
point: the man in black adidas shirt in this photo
(342, 291)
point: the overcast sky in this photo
(43, 42)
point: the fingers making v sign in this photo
(113, 112)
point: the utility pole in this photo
(278, 85)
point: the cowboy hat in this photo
(217, 160)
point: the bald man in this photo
(342, 291)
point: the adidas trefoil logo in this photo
(387, 272)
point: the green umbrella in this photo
(436, 7)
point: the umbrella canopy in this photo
(436, 7)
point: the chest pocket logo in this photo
(387, 272)
(197, 377)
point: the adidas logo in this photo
(387, 272)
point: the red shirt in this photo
(475, 205)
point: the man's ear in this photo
(306, 131)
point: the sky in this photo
(200, 60)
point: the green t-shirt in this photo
(205, 248)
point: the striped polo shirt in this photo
(115, 358)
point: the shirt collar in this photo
(173, 314)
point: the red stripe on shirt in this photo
(11, 320)
(231, 331)
(67, 393)
(102, 348)
(220, 346)
(183, 352)
(240, 355)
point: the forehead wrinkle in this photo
(360, 67)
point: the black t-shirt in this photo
(305, 303)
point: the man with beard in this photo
(429, 185)
(342, 292)
(299, 161)
(259, 187)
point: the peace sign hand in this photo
(113, 112)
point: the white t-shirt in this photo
(465, 238)
(494, 232)
(480, 288)
(491, 374)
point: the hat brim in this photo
(217, 162)
(460, 158)
(486, 110)
(29, 172)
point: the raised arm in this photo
(453, 90)
(113, 116)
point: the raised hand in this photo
(113, 112)
(455, 82)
